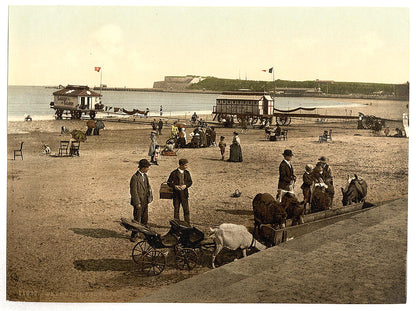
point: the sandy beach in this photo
(64, 239)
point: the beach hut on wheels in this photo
(76, 100)
(244, 106)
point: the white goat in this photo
(233, 236)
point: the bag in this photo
(165, 192)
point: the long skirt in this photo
(235, 153)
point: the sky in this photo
(137, 45)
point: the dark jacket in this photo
(327, 174)
(286, 176)
(140, 191)
(307, 180)
(173, 181)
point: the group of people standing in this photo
(157, 126)
(200, 137)
(318, 176)
(180, 180)
(141, 192)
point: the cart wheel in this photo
(186, 259)
(153, 262)
(139, 250)
(280, 120)
(220, 117)
(59, 114)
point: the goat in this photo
(356, 191)
(233, 236)
(267, 211)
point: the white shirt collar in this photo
(180, 171)
(287, 162)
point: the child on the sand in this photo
(222, 146)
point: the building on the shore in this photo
(76, 100)
(253, 104)
(73, 96)
(297, 91)
(401, 91)
(177, 83)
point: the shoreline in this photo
(355, 105)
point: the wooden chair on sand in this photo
(18, 152)
(327, 135)
(63, 148)
(74, 149)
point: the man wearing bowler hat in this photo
(180, 180)
(141, 195)
(286, 176)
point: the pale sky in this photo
(135, 46)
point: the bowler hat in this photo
(183, 161)
(235, 133)
(288, 153)
(309, 167)
(323, 159)
(144, 163)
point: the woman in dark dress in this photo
(235, 150)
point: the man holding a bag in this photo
(180, 180)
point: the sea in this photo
(34, 101)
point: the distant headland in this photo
(311, 88)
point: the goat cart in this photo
(151, 252)
(274, 236)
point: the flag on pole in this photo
(270, 70)
(97, 69)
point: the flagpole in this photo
(101, 79)
(274, 85)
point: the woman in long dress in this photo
(235, 150)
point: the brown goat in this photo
(295, 210)
(269, 211)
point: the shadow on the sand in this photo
(235, 211)
(107, 264)
(98, 233)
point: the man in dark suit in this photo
(180, 180)
(160, 126)
(141, 195)
(286, 176)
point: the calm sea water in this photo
(34, 100)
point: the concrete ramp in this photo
(361, 259)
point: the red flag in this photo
(264, 70)
(97, 69)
